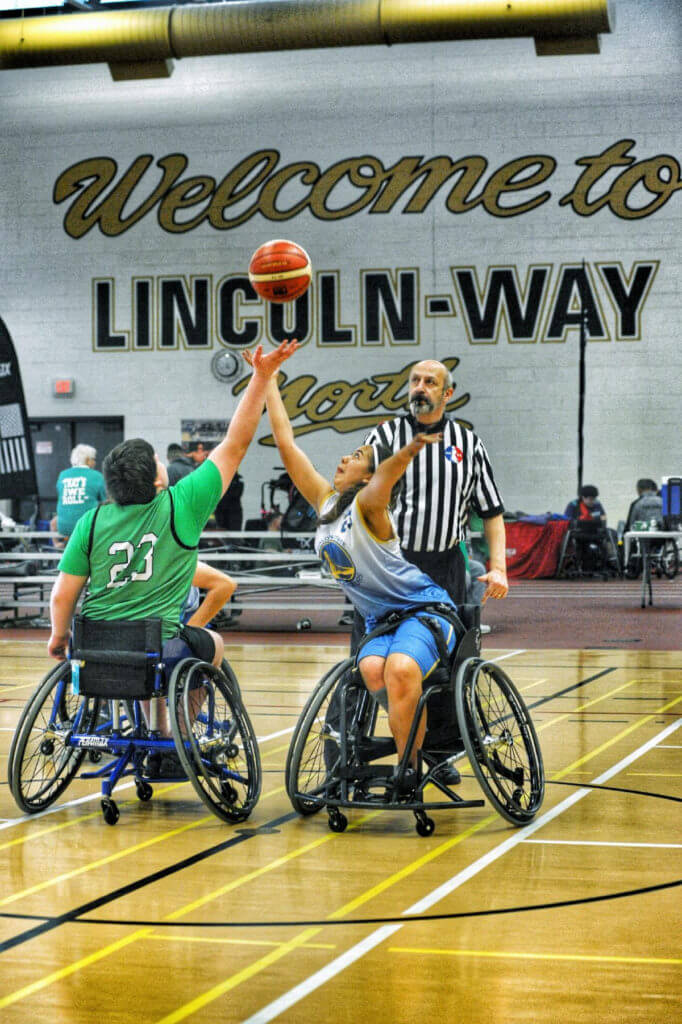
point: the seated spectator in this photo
(587, 508)
(179, 463)
(228, 511)
(647, 505)
(78, 490)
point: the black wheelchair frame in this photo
(92, 705)
(331, 760)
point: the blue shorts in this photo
(415, 640)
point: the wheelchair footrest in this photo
(372, 748)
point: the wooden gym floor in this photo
(172, 915)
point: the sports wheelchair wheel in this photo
(217, 748)
(500, 740)
(314, 752)
(41, 764)
(669, 559)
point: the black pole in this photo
(581, 384)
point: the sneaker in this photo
(447, 774)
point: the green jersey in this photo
(141, 558)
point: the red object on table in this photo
(533, 550)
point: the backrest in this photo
(115, 658)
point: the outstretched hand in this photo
(268, 365)
(496, 584)
(419, 441)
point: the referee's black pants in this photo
(446, 568)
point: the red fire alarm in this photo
(65, 387)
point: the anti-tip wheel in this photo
(338, 822)
(110, 811)
(425, 826)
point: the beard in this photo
(420, 405)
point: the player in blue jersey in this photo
(356, 538)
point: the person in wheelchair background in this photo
(138, 552)
(356, 537)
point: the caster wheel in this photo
(110, 811)
(47, 747)
(232, 751)
(338, 822)
(425, 826)
(144, 791)
(95, 756)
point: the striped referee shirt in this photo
(441, 484)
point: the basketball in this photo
(280, 270)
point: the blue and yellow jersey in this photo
(374, 574)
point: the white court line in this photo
(300, 991)
(595, 842)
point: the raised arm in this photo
(312, 485)
(375, 496)
(231, 450)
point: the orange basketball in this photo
(280, 271)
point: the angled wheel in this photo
(41, 762)
(669, 559)
(500, 740)
(314, 749)
(214, 739)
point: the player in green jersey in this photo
(139, 551)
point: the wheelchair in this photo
(588, 549)
(91, 706)
(473, 711)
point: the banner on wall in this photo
(17, 467)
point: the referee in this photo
(441, 485)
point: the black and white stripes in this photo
(441, 484)
(14, 457)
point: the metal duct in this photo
(155, 35)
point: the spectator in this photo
(228, 511)
(647, 505)
(78, 489)
(586, 508)
(179, 463)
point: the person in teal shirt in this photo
(78, 489)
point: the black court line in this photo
(402, 919)
(50, 923)
(574, 686)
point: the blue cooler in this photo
(671, 492)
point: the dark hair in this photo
(589, 491)
(645, 484)
(130, 471)
(380, 452)
(174, 451)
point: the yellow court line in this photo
(236, 979)
(530, 687)
(576, 957)
(20, 686)
(582, 707)
(142, 933)
(100, 862)
(165, 937)
(182, 1012)
(617, 738)
(75, 821)
(66, 972)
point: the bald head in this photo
(430, 390)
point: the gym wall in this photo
(459, 201)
